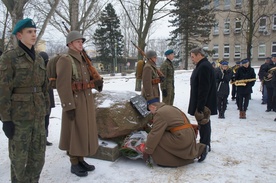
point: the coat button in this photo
(69, 103)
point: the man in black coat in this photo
(203, 92)
(261, 78)
(245, 72)
(267, 72)
(223, 75)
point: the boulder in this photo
(116, 116)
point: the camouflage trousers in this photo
(27, 151)
(170, 97)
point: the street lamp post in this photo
(115, 60)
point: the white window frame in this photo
(226, 54)
(261, 50)
(237, 22)
(237, 51)
(226, 4)
(226, 29)
(262, 27)
(274, 22)
(216, 28)
(216, 4)
(273, 48)
(216, 49)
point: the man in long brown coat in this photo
(172, 139)
(150, 77)
(79, 136)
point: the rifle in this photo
(160, 74)
(92, 70)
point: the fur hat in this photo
(203, 118)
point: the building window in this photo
(238, 4)
(216, 4)
(274, 22)
(216, 28)
(262, 25)
(263, 2)
(261, 50)
(226, 51)
(226, 4)
(215, 49)
(237, 51)
(273, 48)
(237, 25)
(226, 26)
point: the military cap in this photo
(244, 61)
(152, 101)
(238, 62)
(168, 52)
(21, 24)
(267, 58)
(273, 55)
(224, 62)
(150, 54)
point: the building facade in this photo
(229, 37)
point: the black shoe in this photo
(204, 154)
(275, 119)
(78, 170)
(263, 103)
(268, 110)
(48, 143)
(86, 166)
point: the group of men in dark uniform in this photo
(268, 78)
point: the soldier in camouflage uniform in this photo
(167, 87)
(23, 104)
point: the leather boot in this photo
(244, 114)
(86, 166)
(78, 170)
(241, 114)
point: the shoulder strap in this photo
(74, 67)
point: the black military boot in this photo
(204, 154)
(86, 166)
(78, 170)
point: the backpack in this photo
(51, 69)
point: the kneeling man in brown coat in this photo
(172, 139)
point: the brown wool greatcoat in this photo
(171, 149)
(79, 136)
(150, 91)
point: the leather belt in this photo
(181, 127)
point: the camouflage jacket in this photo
(168, 70)
(23, 86)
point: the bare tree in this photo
(148, 12)
(250, 15)
(16, 10)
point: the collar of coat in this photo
(75, 54)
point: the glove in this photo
(145, 156)
(162, 79)
(99, 84)
(8, 128)
(71, 114)
(164, 93)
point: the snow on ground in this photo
(242, 150)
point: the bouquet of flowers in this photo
(134, 145)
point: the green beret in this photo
(168, 52)
(21, 24)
